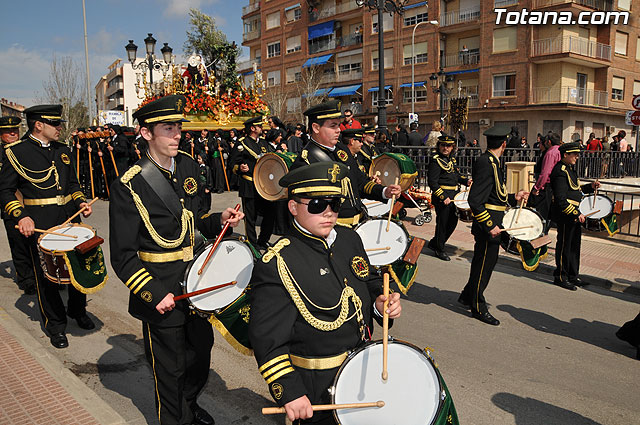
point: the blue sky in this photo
(33, 31)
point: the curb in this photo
(85, 396)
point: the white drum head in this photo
(527, 218)
(376, 208)
(51, 242)
(374, 235)
(603, 205)
(462, 197)
(411, 392)
(233, 260)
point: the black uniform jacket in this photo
(367, 153)
(443, 176)
(488, 196)
(150, 282)
(567, 192)
(277, 328)
(32, 169)
(361, 185)
(247, 151)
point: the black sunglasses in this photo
(319, 205)
(52, 123)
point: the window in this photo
(293, 44)
(504, 85)
(636, 87)
(388, 97)
(617, 88)
(421, 94)
(293, 74)
(293, 105)
(505, 39)
(624, 4)
(387, 22)
(273, 49)
(420, 51)
(294, 14)
(388, 59)
(415, 16)
(621, 43)
(273, 20)
(251, 26)
(273, 78)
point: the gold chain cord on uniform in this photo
(290, 284)
(571, 184)
(501, 189)
(446, 168)
(20, 169)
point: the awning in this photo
(345, 91)
(320, 92)
(415, 84)
(411, 6)
(292, 7)
(320, 30)
(376, 88)
(461, 72)
(318, 60)
(248, 72)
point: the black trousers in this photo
(568, 250)
(446, 222)
(630, 331)
(485, 257)
(52, 308)
(20, 255)
(542, 204)
(252, 207)
(179, 357)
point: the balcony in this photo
(350, 40)
(114, 104)
(324, 10)
(504, 3)
(251, 35)
(604, 5)
(470, 92)
(572, 46)
(460, 16)
(250, 8)
(114, 87)
(572, 95)
(346, 6)
(470, 58)
(248, 64)
(349, 76)
(321, 46)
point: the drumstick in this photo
(203, 291)
(373, 203)
(317, 407)
(384, 248)
(79, 211)
(592, 213)
(49, 232)
(519, 209)
(595, 195)
(393, 201)
(516, 228)
(216, 243)
(385, 327)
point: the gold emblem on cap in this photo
(179, 105)
(190, 186)
(65, 159)
(334, 171)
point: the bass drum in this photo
(390, 166)
(269, 169)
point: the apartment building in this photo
(13, 109)
(572, 79)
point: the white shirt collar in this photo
(331, 148)
(44, 144)
(329, 239)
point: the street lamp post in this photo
(413, 63)
(150, 63)
(437, 83)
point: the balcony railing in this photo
(605, 5)
(328, 78)
(570, 44)
(574, 95)
(324, 10)
(248, 64)
(349, 76)
(504, 3)
(350, 40)
(346, 6)
(461, 59)
(322, 46)
(460, 16)
(251, 35)
(251, 8)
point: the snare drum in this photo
(601, 208)
(232, 260)
(383, 247)
(413, 393)
(53, 247)
(462, 206)
(376, 208)
(392, 166)
(527, 217)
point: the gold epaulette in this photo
(563, 167)
(241, 139)
(130, 173)
(13, 144)
(304, 155)
(185, 153)
(275, 250)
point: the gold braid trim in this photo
(23, 172)
(130, 173)
(571, 183)
(500, 187)
(444, 165)
(294, 291)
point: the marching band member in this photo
(40, 167)
(488, 200)
(313, 296)
(154, 212)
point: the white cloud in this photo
(180, 8)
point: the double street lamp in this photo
(150, 63)
(437, 80)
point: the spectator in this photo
(622, 142)
(349, 121)
(542, 188)
(432, 138)
(400, 137)
(382, 142)
(513, 139)
(606, 146)
(594, 144)
(615, 144)
(464, 55)
(524, 144)
(294, 142)
(414, 138)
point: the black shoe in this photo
(464, 303)
(638, 354)
(59, 340)
(201, 416)
(443, 256)
(85, 322)
(565, 285)
(485, 317)
(577, 282)
(624, 337)
(30, 290)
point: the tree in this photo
(308, 84)
(205, 39)
(276, 97)
(63, 86)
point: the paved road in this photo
(554, 359)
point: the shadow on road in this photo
(7, 270)
(529, 411)
(423, 294)
(595, 333)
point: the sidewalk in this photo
(36, 388)
(604, 262)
